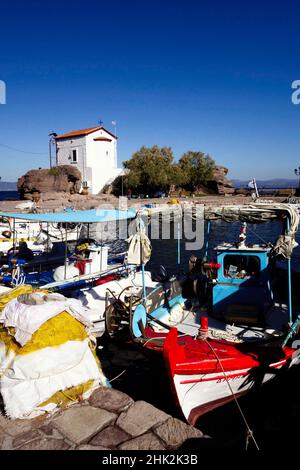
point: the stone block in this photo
(89, 447)
(28, 436)
(146, 442)
(110, 437)
(140, 417)
(174, 432)
(45, 444)
(82, 423)
(110, 399)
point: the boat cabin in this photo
(243, 286)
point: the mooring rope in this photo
(250, 434)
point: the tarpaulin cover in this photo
(88, 216)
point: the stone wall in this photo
(109, 420)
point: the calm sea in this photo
(9, 195)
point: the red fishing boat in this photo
(219, 329)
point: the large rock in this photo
(64, 178)
(219, 182)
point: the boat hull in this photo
(202, 393)
(208, 374)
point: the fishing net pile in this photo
(47, 358)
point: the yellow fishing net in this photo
(65, 397)
(14, 293)
(54, 332)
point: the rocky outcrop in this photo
(64, 178)
(219, 182)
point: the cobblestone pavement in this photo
(109, 420)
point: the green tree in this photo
(150, 170)
(197, 168)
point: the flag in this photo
(251, 184)
(114, 123)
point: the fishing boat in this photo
(62, 265)
(90, 273)
(219, 328)
(38, 235)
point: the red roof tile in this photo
(81, 132)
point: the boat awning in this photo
(88, 216)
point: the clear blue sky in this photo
(201, 75)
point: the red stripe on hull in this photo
(228, 376)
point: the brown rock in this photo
(110, 399)
(110, 437)
(140, 417)
(219, 182)
(64, 178)
(174, 432)
(146, 442)
(82, 423)
(243, 192)
(45, 444)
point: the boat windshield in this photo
(241, 266)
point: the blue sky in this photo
(193, 75)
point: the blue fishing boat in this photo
(219, 327)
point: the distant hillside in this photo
(7, 186)
(276, 183)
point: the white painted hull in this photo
(197, 394)
(29, 232)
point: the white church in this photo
(94, 152)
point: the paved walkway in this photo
(109, 420)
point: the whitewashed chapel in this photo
(94, 152)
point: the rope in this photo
(115, 378)
(258, 236)
(250, 434)
(18, 277)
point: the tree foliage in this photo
(197, 169)
(150, 169)
(153, 169)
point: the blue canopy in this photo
(89, 216)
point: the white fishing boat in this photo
(38, 235)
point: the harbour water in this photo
(273, 411)
(9, 195)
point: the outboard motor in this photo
(162, 276)
(198, 282)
